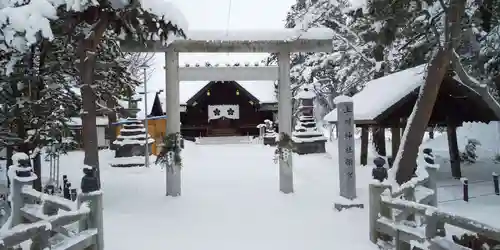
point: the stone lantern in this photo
(306, 137)
(130, 145)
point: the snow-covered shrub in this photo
(470, 155)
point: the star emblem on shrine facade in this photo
(230, 111)
(216, 112)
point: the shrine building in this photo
(221, 108)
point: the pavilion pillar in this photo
(173, 174)
(364, 146)
(285, 119)
(395, 140)
(451, 132)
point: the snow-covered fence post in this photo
(20, 174)
(91, 192)
(496, 186)
(432, 171)
(465, 184)
(376, 208)
(285, 120)
(345, 128)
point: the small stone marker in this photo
(347, 174)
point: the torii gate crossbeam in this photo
(283, 42)
(240, 73)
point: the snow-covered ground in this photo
(483, 203)
(230, 200)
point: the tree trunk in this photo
(378, 133)
(436, 71)
(451, 132)
(405, 161)
(89, 127)
(37, 169)
(378, 137)
(87, 52)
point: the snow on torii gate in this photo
(283, 42)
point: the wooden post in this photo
(173, 175)
(432, 184)
(395, 140)
(375, 207)
(285, 119)
(465, 184)
(451, 132)
(378, 138)
(364, 146)
(496, 187)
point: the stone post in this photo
(285, 119)
(345, 126)
(173, 173)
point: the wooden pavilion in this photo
(387, 102)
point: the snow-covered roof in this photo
(264, 91)
(380, 94)
(259, 35)
(189, 89)
(77, 121)
(305, 92)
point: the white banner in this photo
(227, 111)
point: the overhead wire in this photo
(228, 19)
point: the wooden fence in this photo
(409, 217)
(52, 222)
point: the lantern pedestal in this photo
(306, 138)
(270, 140)
(313, 147)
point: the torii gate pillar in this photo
(285, 118)
(281, 42)
(173, 174)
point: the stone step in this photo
(220, 140)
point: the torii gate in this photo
(283, 42)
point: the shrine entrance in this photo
(281, 42)
(221, 120)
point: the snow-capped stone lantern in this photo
(269, 137)
(130, 145)
(306, 137)
(133, 102)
